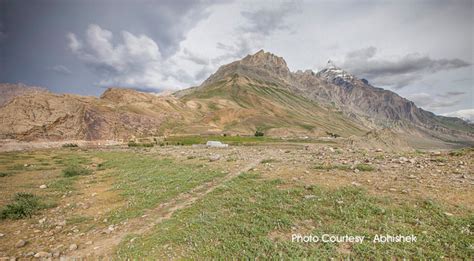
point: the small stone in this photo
(403, 159)
(214, 157)
(2, 235)
(43, 186)
(29, 254)
(20, 243)
(89, 243)
(356, 184)
(42, 254)
(448, 214)
(412, 177)
(73, 247)
(41, 221)
(378, 150)
(356, 170)
(392, 190)
(309, 196)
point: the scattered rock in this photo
(43, 186)
(356, 170)
(448, 214)
(309, 196)
(214, 157)
(29, 254)
(2, 235)
(42, 254)
(378, 150)
(412, 177)
(20, 243)
(73, 247)
(41, 221)
(402, 160)
(356, 184)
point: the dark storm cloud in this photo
(429, 101)
(271, 18)
(60, 69)
(396, 72)
(451, 94)
(3, 35)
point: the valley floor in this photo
(181, 202)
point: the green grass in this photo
(23, 205)
(136, 144)
(268, 161)
(233, 140)
(237, 220)
(78, 220)
(4, 174)
(330, 166)
(76, 170)
(63, 184)
(364, 167)
(144, 181)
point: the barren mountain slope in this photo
(49, 116)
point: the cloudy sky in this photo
(423, 50)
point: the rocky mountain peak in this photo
(336, 75)
(266, 60)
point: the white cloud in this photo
(136, 61)
(467, 115)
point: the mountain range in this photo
(258, 92)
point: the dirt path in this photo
(104, 244)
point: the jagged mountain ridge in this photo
(356, 98)
(257, 92)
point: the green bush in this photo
(23, 205)
(259, 133)
(333, 135)
(135, 144)
(70, 145)
(76, 170)
(3, 174)
(364, 167)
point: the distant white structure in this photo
(216, 144)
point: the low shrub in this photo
(135, 144)
(364, 167)
(76, 170)
(70, 145)
(23, 205)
